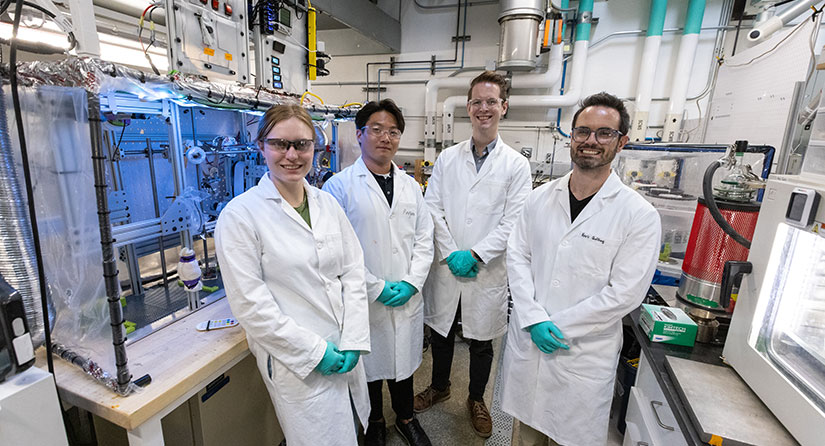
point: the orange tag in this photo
(227, 56)
(208, 51)
(715, 440)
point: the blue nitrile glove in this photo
(461, 263)
(350, 360)
(405, 292)
(332, 361)
(388, 292)
(545, 334)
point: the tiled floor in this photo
(448, 423)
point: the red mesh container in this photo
(709, 247)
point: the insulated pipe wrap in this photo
(17, 255)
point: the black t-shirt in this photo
(385, 183)
(576, 206)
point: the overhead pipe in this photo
(572, 95)
(647, 69)
(545, 79)
(765, 29)
(684, 67)
(550, 77)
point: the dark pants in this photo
(401, 394)
(481, 361)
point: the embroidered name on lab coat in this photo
(592, 237)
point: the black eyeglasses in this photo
(604, 135)
(283, 145)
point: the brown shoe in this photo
(429, 396)
(480, 418)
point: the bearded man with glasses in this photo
(475, 194)
(581, 257)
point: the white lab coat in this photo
(584, 277)
(292, 288)
(473, 211)
(398, 245)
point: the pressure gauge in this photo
(802, 207)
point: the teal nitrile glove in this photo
(350, 360)
(473, 271)
(332, 361)
(387, 293)
(405, 292)
(451, 263)
(545, 334)
(461, 263)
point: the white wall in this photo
(611, 67)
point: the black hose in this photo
(110, 272)
(710, 201)
(24, 154)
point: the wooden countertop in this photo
(177, 357)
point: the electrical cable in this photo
(21, 135)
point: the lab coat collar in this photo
(488, 165)
(610, 188)
(362, 170)
(266, 188)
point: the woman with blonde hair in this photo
(294, 276)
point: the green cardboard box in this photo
(667, 324)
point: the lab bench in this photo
(659, 413)
(187, 367)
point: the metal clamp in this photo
(642, 443)
(653, 405)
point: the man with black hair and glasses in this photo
(475, 194)
(581, 257)
(389, 215)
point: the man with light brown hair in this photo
(475, 194)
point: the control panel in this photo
(211, 38)
(280, 43)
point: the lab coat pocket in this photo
(595, 255)
(490, 197)
(404, 218)
(331, 253)
(293, 389)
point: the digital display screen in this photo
(276, 61)
(278, 85)
(276, 77)
(276, 70)
(285, 18)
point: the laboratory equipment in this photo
(16, 349)
(669, 176)
(776, 341)
(709, 248)
(720, 236)
(518, 44)
(210, 38)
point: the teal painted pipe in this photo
(564, 5)
(658, 8)
(583, 29)
(695, 13)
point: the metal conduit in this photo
(17, 254)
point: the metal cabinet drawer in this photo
(661, 426)
(636, 432)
